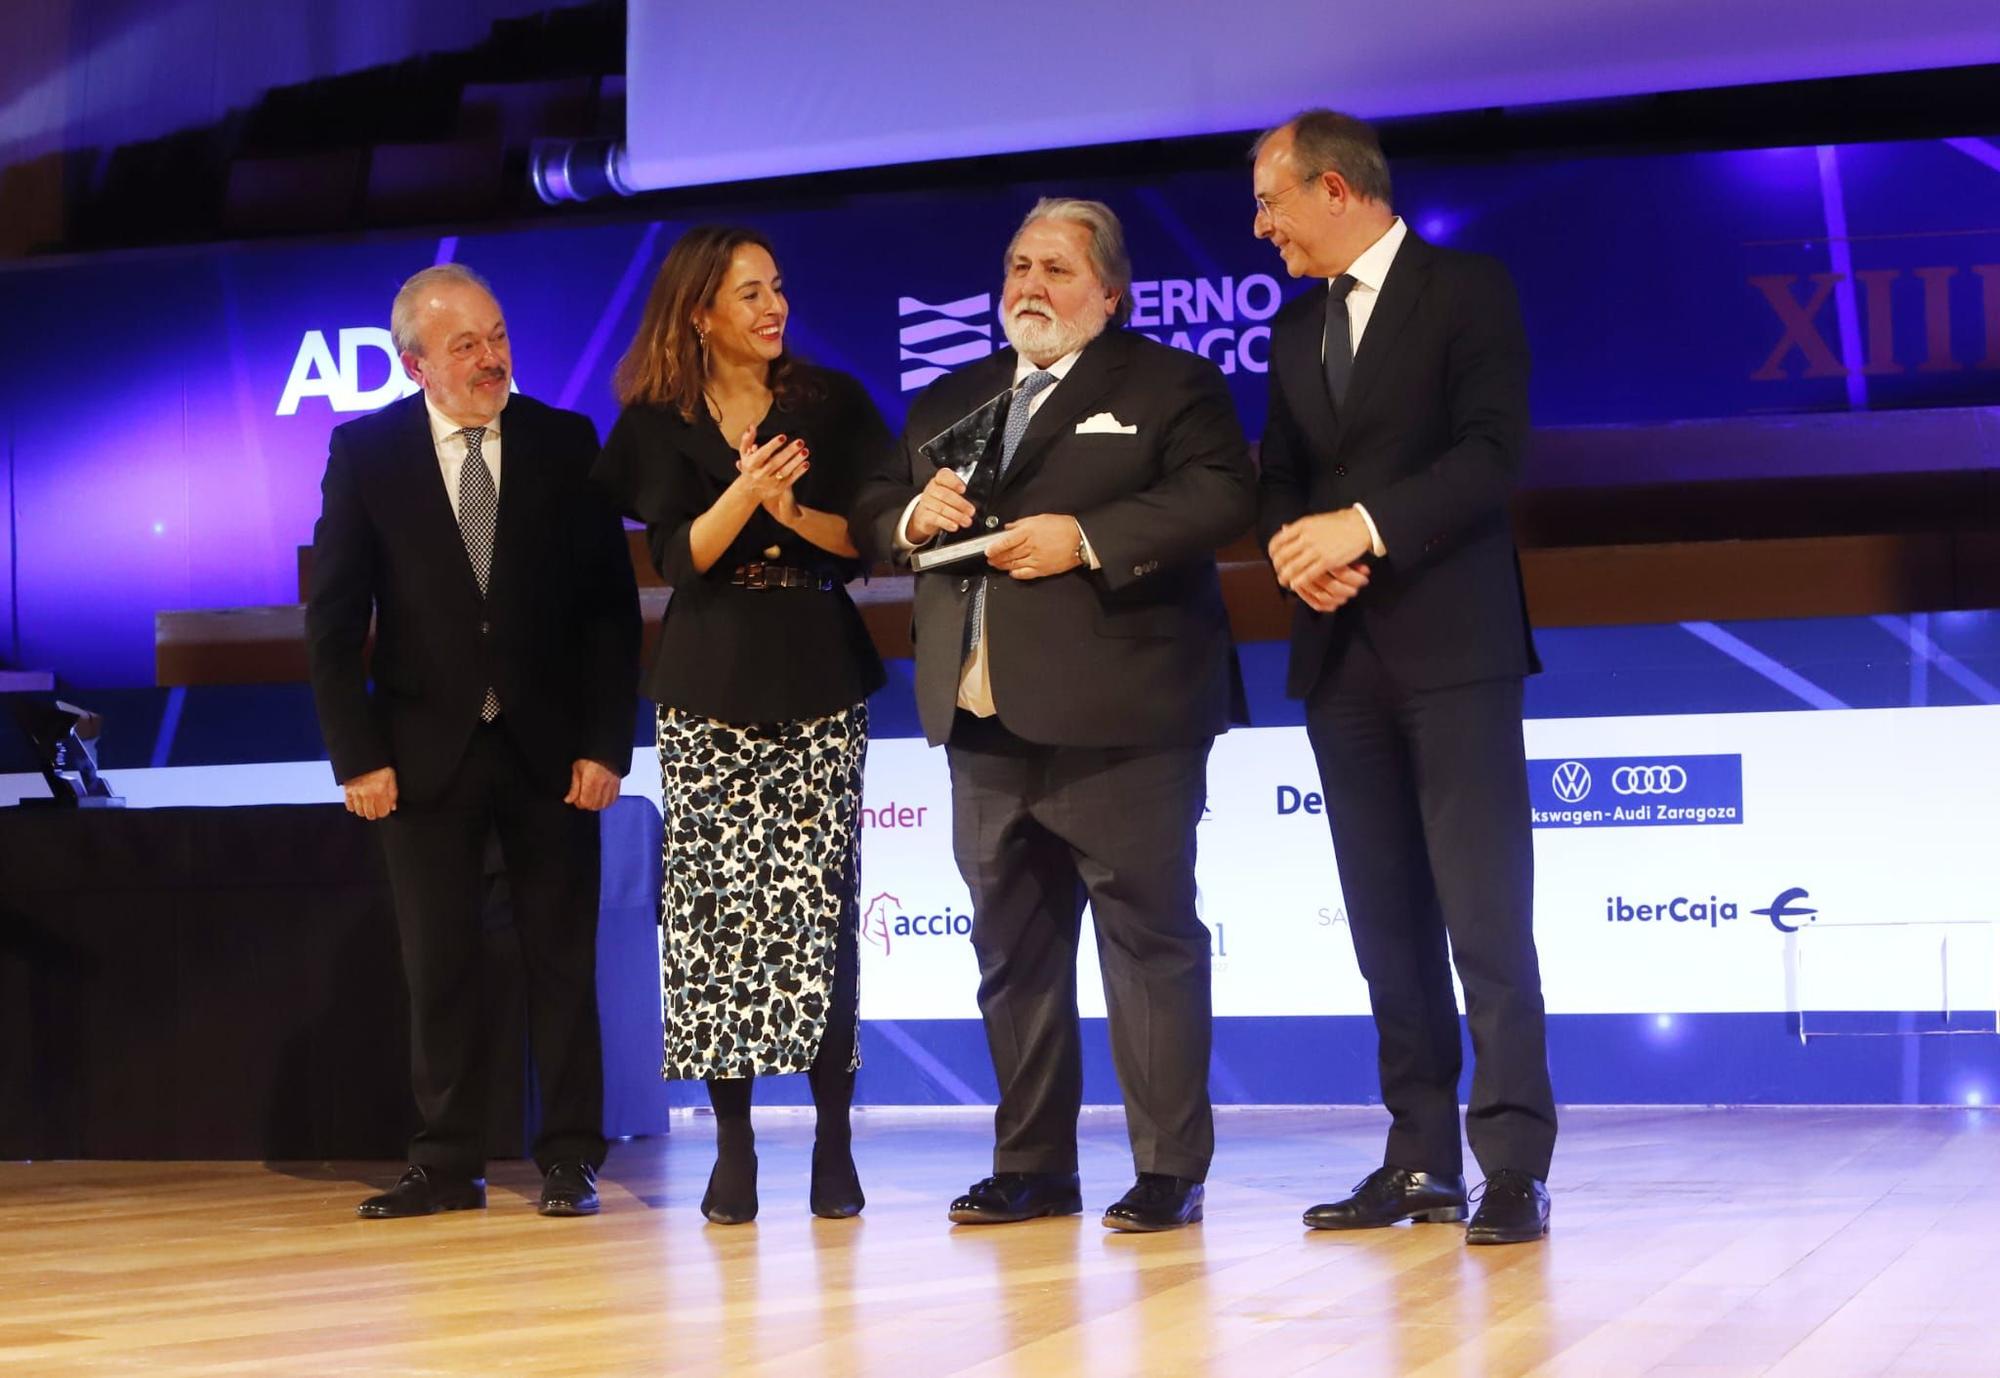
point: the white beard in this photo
(1044, 337)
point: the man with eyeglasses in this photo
(1399, 408)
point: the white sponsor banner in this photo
(1868, 835)
(1859, 874)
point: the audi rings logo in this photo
(1630, 780)
(1572, 781)
(1645, 791)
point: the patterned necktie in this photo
(1018, 416)
(478, 514)
(1339, 343)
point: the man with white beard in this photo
(1076, 673)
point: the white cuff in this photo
(1089, 555)
(904, 545)
(1374, 537)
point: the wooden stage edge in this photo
(1816, 1242)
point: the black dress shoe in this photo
(1513, 1209)
(1156, 1202)
(1390, 1194)
(731, 1198)
(836, 1186)
(424, 1191)
(570, 1188)
(1006, 1197)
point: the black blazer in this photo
(557, 635)
(745, 655)
(1430, 443)
(1137, 653)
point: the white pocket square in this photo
(1104, 423)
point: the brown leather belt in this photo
(763, 576)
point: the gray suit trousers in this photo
(1038, 831)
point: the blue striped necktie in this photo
(1018, 415)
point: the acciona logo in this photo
(883, 922)
(935, 339)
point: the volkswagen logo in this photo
(1572, 782)
(1649, 779)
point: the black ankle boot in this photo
(836, 1186)
(731, 1198)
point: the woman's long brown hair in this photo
(664, 366)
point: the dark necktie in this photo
(1010, 441)
(478, 513)
(1339, 342)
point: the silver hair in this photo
(1328, 141)
(1108, 258)
(410, 299)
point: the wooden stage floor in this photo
(1687, 1242)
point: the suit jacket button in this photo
(485, 628)
(965, 586)
(1138, 571)
(992, 522)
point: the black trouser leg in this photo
(1129, 818)
(434, 853)
(1365, 770)
(553, 861)
(1027, 911)
(1426, 794)
(1472, 775)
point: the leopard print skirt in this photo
(762, 877)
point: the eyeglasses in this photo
(1268, 205)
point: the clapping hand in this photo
(769, 471)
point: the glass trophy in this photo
(969, 448)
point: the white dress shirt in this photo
(449, 438)
(1369, 272)
(975, 685)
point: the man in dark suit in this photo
(1399, 407)
(504, 669)
(1077, 676)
